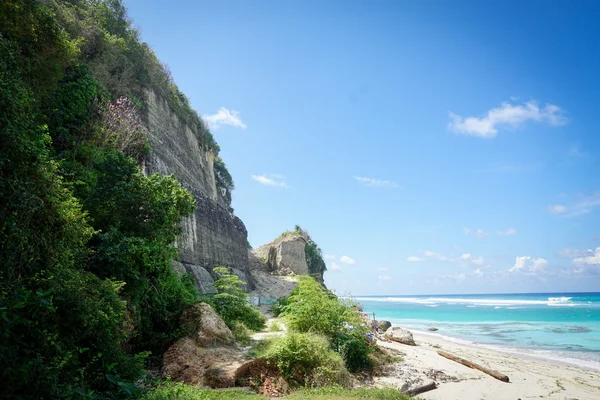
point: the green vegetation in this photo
(275, 327)
(339, 393)
(306, 359)
(231, 303)
(311, 308)
(181, 392)
(87, 292)
(178, 391)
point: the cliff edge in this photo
(212, 236)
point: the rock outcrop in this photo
(397, 334)
(284, 256)
(382, 326)
(207, 355)
(212, 236)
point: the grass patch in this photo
(338, 393)
(179, 391)
(275, 327)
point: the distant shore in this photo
(531, 377)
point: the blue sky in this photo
(427, 146)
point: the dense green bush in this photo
(312, 308)
(306, 359)
(60, 326)
(354, 350)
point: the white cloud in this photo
(375, 182)
(557, 209)
(334, 267)
(329, 257)
(528, 265)
(270, 180)
(507, 114)
(382, 269)
(478, 272)
(384, 278)
(414, 259)
(592, 258)
(583, 260)
(478, 233)
(347, 260)
(582, 204)
(507, 232)
(225, 117)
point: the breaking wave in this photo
(474, 302)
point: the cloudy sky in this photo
(428, 146)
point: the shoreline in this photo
(530, 377)
(534, 354)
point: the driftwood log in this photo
(420, 389)
(469, 364)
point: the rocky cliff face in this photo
(212, 236)
(285, 255)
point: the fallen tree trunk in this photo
(420, 389)
(469, 364)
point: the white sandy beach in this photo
(530, 378)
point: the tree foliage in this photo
(86, 288)
(231, 303)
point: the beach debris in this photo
(470, 364)
(432, 329)
(397, 334)
(440, 376)
(425, 387)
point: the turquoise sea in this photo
(560, 326)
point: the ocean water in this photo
(560, 326)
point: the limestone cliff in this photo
(212, 236)
(285, 255)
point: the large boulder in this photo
(204, 326)
(397, 334)
(191, 364)
(383, 326)
(208, 355)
